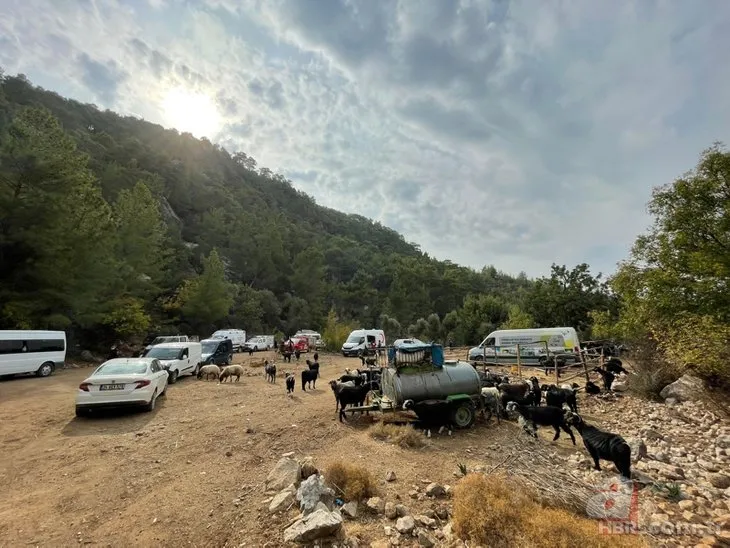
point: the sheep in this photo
(544, 416)
(603, 445)
(592, 388)
(615, 366)
(607, 377)
(349, 395)
(208, 370)
(492, 405)
(309, 376)
(556, 397)
(290, 381)
(230, 372)
(270, 371)
(432, 413)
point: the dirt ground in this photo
(191, 473)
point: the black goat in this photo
(290, 380)
(432, 413)
(544, 416)
(615, 366)
(514, 392)
(309, 376)
(592, 388)
(270, 371)
(607, 377)
(297, 353)
(313, 366)
(349, 395)
(603, 445)
(535, 392)
(556, 397)
(357, 380)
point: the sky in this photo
(513, 133)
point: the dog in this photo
(290, 380)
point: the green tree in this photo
(518, 319)
(207, 299)
(335, 332)
(479, 315)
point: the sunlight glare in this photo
(190, 111)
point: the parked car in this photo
(122, 382)
(216, 351)
(237, 336)
(300, 343)
(180, 358)
(259, 342)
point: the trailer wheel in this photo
(463, 415)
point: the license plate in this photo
(111, 387)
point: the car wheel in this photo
(463, 415)
(173, 376)
(151, 406)
(45, 370)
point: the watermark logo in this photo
(616, 504)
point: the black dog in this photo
(290, 380)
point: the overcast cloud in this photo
(513, 133)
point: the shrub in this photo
(403, 436)
(335, 332)
(351, 481)
(651, 371)
(489, 511)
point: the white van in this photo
(237, 336)
(179, 358)
(360, 339)
(533, 343)
(39, 352)
(259, 342)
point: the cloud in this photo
(488, 131)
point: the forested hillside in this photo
(113, 226)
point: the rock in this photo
(283, 500)
(661, 457)
(286, 472)
(448, 490)
(638, 449)
(350, 509)
(641, 478)
(390, 476)
(442, 512)
(435, 490)
(405, 525)
(311, 491)
(620, 386)
(380, 544)
(719, 481)
(319, 524)
(401, 510)
(390, 510)
(686, 388)
(307, 468)
(708, 465)
(723, 442)
(424, 539)
(413, 494)
(426, 521)
(447, 531)
(375, 504)
(651, 434)
(686, 504)
(671, 401)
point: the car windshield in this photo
(162, 353)
(160, 340)
(209, 347)
(122, 368)
(354, 338)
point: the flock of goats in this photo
(499, 395)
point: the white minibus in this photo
(39, 352)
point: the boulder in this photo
(425, 521)
(350, 509)
(286, 472)
(376, 505)
(401, 510)
(638, 449)
(283, 500)
(424, 539)
(390, 510)
(686, 388)
(620, 385)
(319, 524)
(313, 490)
(307, 468)
(405, 525)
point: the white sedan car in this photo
(122, 382)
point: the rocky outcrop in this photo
(686, 388)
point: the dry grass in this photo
(403, 436)
(350, 481)
(490, 511)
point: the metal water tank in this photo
(436, 383)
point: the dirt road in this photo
(190, 473)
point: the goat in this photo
(603, 445)
(230, 372)
(357, 380)
(432, 413)
(349, 395)
(207, 370)
(615, 366)
(544, 416)
(513, 392)
(368, 361)
(607, 377)
(313, 366)
(592, 388)
(310, 376)
(290, 380)
(270, 371)
(556, 397)
(492, 405)
(534, 393)
(297, 354)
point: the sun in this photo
(191, 111)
